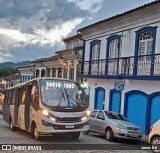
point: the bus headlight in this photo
(84, 118)
(45, 112)
(88, 112)
(53, 119)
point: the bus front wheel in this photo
(35, 133)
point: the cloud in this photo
(36, 23)
(31, 29)
(91, 5)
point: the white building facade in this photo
(125, 49)
(63, 64)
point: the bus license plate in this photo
(133, 135)
(69, 126)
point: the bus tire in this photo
(13, 128)
(75, 135)
(35, 133)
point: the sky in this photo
(32, 29)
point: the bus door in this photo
(27, 107)
(17, 106)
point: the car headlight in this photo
(120, 126)
(45, 112)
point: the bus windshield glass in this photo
(62, 93)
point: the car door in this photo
(100, 122)
(92, 121)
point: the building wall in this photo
(148, 87)
(128, 39)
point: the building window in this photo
(28, 78)
(145, 43)
(94, 57)
(43, 73)
(113, 48)
(95, 52)
(59, 72)
(37, 73)
(48, 72)
(65, 67)
(144, 51)
(113, 52)
(71, 75)
(69, 45)
(53, 72)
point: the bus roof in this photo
(24, 83)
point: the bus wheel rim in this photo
(35, 132)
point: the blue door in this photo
(99, 98)
(155, 109)
(136, 109)
(115, 101)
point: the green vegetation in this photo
(6, 71)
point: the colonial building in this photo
(124, 51)
(27, 72)
(63, 64)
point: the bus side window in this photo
(14, 96)
(6, 97)
(10, 97)
(34, 94)
(23, 95)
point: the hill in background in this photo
(8, 68)
(14, 65)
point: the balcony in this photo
(134, 67)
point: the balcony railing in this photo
(146, 65)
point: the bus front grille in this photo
(68, 120)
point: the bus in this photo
(44, 106)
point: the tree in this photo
(6, 71)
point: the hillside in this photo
(14, 65)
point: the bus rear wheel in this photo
(75, 135)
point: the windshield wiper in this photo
(73, 100)
(62, 96)
(70, 97)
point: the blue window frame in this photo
(110, 39)
(92, 45)
(138, 34)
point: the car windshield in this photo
(115, 116)
(62, 93)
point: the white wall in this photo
(145, 86)
(128, 42)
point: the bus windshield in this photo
(62, 93)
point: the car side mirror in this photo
(100, 117)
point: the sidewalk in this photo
(144, 138)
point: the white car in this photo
(113, 125)
(154, 136)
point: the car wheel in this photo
(86, 132)
(155, 141)
(13, 128)
(75, 135)
(36, 134)
(109, 135)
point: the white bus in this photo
(45, 106)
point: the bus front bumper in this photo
(64, 127)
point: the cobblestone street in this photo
(22, 137)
